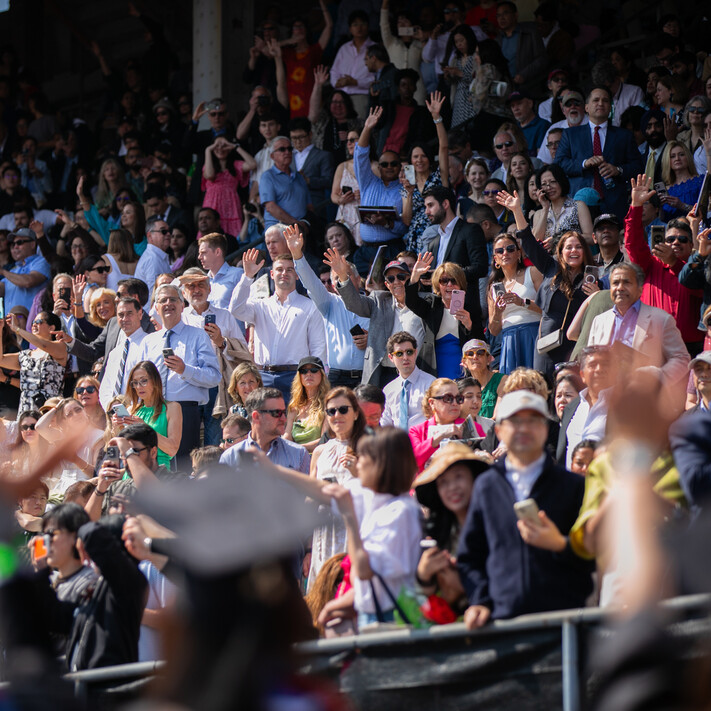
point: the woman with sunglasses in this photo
(95, 271)
(345, 191)
(87, 393)
(335, 461)
(450, 330)
(511, 293)
(42, 368)
(441, 406)
(476, 361)
(682, 181)
(28, 448)
(146, 405)
(692, 136)
(305, 414)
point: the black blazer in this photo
(467, 248)
(657, 165)
(561, 451)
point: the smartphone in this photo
(592, 274)
(410, 174)
(527, 510)
(426, 543)
(457, 302)
(497, 290)
(39, 547)
(212, 105)
(65, 293)
(346, 189)
(249, 207)
(112, 456)
(657, 234)
(167, 352)
(2, 308)
(209, 318)
(357, 331)
(661, 189)
(405, 31)
(120, 411)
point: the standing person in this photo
(345, 191)
(513, 314)
(533, 126)
(223, 278)
(460, 71)
(403, 396)
(335, 460)
(192, 369)
(287, 326)
(345, 351)
(476, 361)
(534, 569)
(155, 259)
(305, 412)
(20, 285)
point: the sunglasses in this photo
(342, 410)
(443, 281)
(139, 383)
(389, 164)
(480, 352)
(351, 140)
(18, 242)
(312, 371)
(232, 440)
(39, 321)
(274, 413)
(681, 239)
(100, 270)
(510, 248)
(552, 144)
(490, 192)
(696, 110)
(392, 278)
(573, 102)
(123, 198)
(24, 428)
(284, 149)
(505, 144)
(163, 231)
(407, 352)
(567, 364)
(448, 399)
(91, 389)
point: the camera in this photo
(263, 100)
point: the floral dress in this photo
(567, 220)
(40, 379)
(462, 107)
(419, 219)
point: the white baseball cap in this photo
(514, 402)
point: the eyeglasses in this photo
(233, 440)
(479, 352)
(312, 371)
(448, 399)
(696, 110)
(572, 102)
(400, 354)
(510, 248)
(681, 239)
(392, 278)
(552, 144)
(213, 114)
(550, 184)
(389, 163)
(284, 149)
(18, 242)
(342, 410)
(505, 144)
(274, 413)
(163, 230)
(490, 192)
(91, 389)
(138, 450)
(39, 321)
(167, 300)
(351, 140)
(100, 270)
(24, 428)
(299, 138)
(139, 383)
(443, 281)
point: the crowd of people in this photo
(423, 277)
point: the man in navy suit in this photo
(314, 164)
(597, 153)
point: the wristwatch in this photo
(527, 302)
(130, 452)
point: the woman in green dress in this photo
(145, 393)
(476, 358)
(305, 414)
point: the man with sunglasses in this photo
(154, 260)
(662, 266)
(572, 105)
(28, 276)
(267, 414)
(404, 395)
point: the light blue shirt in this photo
(419, 383)
(288, 190)
(337, 319)
(202, 370)
(280, 452)
(522, 480)
(223, 284)
(153, 261)
(623, 330)
(374, 192)
(19, 296)
(509, 48)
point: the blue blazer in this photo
(619, 150)
(690, 438)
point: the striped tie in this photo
(168, 335)
(118, 387)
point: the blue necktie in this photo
(167, 336)
(404, 406)
(118, 387)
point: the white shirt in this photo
(113, 360)
(284, 333)
(543, 153)
(224, 320)
(419, 382)
(522, 480)
(602, 133)
(406, 320)
(301, 156)
(587, 423)
(153, 261)
(445, 235)
(627, 95)
(264, 163)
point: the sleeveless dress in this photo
(489, 395)
(519, 329)
(160, 425)
(303, 434)
(448, 350)
(40, 379)
(330, 539)
(348, 214)
(115, 275)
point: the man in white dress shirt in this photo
(220, 325)
(154, 260)
(190, 372)
(404, 395)
(223, 278)
(287, 326)
(125, 354)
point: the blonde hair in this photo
(94, 300)
(241, 370)
(434, 387)
(299, 399)
(526, 379)
(451, 270)
(668, 175)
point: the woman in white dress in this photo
(335, 462)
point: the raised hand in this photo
(200, 111)
(435, 103)
(670, 129)
(373, 118)
(80, 187)
(510, 202)
(274, 49)
(422, 266)
(338, 264)
(250, 264)
(37, 227)
(294, 241)
(641, 190)
(321, 75)
(78, 286)
(704, 239)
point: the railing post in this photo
(571, 672)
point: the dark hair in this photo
(140, 227)
(52, 320)
(468, 34)
(350, 109)
(256, 399)
(79, 490)
(359, 425)
(479, 212)
(496, 272)
(590, 351)
(23, 207)
(352, 246)
(458, 137)
(235, 420)
(495, 181)
(572, 378)
(358, 15)
(586, 444)
(391, 451)
(137, 287)
(300, 123)
(507, 3)
(410, 74)
(490, 53)
(558, 174)
(155, 378)
(88, 263)
(69, 517)
(440, 193)
(599, 87)
(547, 11)
(378, 52)
(400, 337)
(142, 433)
(679, 223)
(155, 191)
(467, 382)
(370, 393)
(34, 414)
(562, 280)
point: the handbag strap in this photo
(566, 313)
(388, 592)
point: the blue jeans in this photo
(213, 429)
(369, 618)
(281, 381)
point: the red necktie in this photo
(597, 151)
